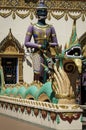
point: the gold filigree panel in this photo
(84, 50)
(11, 45)
(58, 9)
(10, 48)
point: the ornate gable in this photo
(10, 45)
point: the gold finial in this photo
(10, 34)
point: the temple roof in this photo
(10, 40)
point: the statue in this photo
(44, 40)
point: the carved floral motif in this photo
(69, 116)
(16, 107)
(22, 109)
(60, 8)
(10, 49)
(28, 110)
(44, 114)
(11, 106)
(36, 112)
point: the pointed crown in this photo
(41, 5)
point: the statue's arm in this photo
(54, 41)
(28, 37)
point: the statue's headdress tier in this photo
(41, 5)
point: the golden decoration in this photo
(78, 63)
(63, 107)
(62, 86)
(49, 15)
(84, 51)
(57, 16)
(43, 97)
(37, 83)
(5, 15)
(83, 17)
(23, 15)
(75, 106)
(74, 17)
(66, 16)
(54, 6)
(29, 97)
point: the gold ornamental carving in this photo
(58, 9)
(20, 69)
(10, 49)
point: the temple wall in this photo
(19, 26)
(52, 116)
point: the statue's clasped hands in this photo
(45, 45)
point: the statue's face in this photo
(42, 13)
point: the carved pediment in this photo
(10, 48)
(11, 45)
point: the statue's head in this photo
(41, 10)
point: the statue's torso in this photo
(41, 32)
